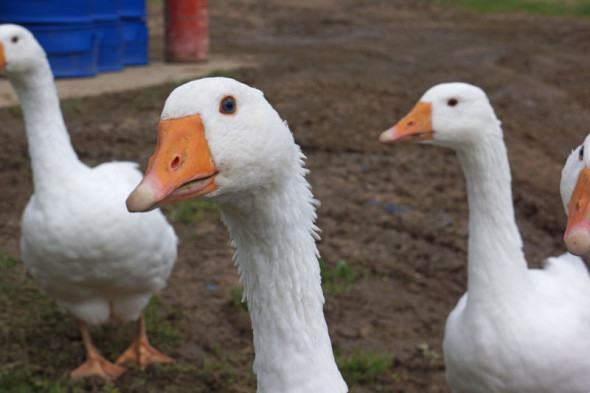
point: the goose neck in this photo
(496, 263)
(274, 235)
(50, 149)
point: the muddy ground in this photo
(340, 72)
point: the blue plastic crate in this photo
(105, 10)
(110, 45)
(132, 8)
(71, 47)
(135, 39)
(45, 11)
(64, 28)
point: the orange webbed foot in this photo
(98, 366)
(143, 354)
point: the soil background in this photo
(339, 72)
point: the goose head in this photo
(575, 194)
(218, 139)
(454, 115)
(20, 53)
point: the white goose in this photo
(78, 240)
(221, 140)
(515, 330)
(575, 194)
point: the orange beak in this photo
(415, 126)
(2, 58)
(577, 233)
(181, 167)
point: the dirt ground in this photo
(339, 72)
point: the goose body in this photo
(87, 252)
(78, 240)
(515, 330)
(221, 140)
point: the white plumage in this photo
(251, 167)
(78, 240)
(515, 330)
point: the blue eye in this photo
(228, 105)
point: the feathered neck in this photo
(274, 234)
(496, 264)
(53, 158)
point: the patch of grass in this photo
(7, 261)
(338, 279)
(217, 373)
(237, 294)
(18, 293)
(151, 98)
(16, 111)
(363, 368)
(36, 337)
(174, 370)
(579, 8)
(73, 107)
(428, 353)
(40, 343)
(21, 382)
(223, 73)
(19, 160)
(163, 326)
(32, 382)
(191, 210)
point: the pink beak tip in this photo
(577, 240)
(141, 199)
(388, 135)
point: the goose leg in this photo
(140, 351)
(95, 364)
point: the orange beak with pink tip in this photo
(415, 126)
(577, 233)
(181, 167)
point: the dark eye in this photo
(581, 155)
(452, 102)
(228, 105)
(14, 39)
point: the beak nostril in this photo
(175, 163)
(410, 123)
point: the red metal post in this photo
(187, 30)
